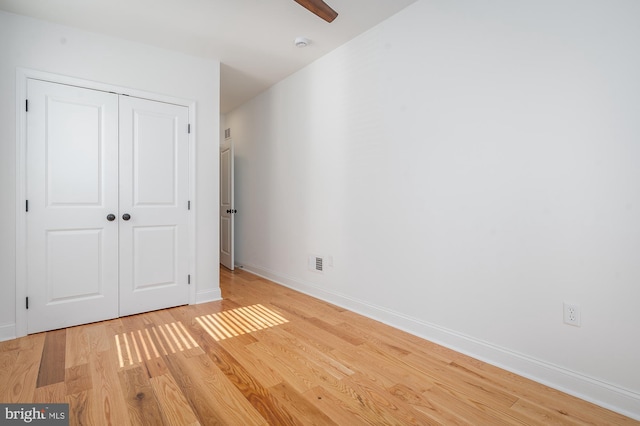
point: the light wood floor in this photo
(270, 355)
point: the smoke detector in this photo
(302, 42)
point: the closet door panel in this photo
(154, 252)
(72, 186)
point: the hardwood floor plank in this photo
(51, 394)
(52, 364)
(361, 403)
(81, 411)
(321, 339)
(257, 367)
(78, 346)
(7, 361)
(338, 331)
(316, 360)
(540, 415)
(212, 396)
(113, 327)
(340, 410)
(312, 310)
(386, 402)
(278, 357)
(303, 411)
(529, 392)
(377, 369)
(397, 341)
(141, 402)
(288, 372)
(156, 367)
(201, 402)
(108, 402)
(174, 406)
(290, 310)
(96, 335)
(300, 371)
(78, 379)
(472, 390)
(420, 403)
(252, 390)
(370, 336)
(462, 410)
(20, 379)
(26, 343)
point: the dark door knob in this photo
(126, 216)
(111, 217)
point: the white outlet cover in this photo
(572, 315)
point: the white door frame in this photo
(22, 75)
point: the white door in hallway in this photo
(72, 188)
(227, 210)
(107, 189)
(154, 187)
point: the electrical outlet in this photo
(572, 314)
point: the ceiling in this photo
(253, 39)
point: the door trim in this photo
(24, 74)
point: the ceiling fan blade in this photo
(319, 8)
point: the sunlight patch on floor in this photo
(235, 322)
(153, 342)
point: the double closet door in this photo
(107, 209)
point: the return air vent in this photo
(316, 263)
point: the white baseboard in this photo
(208, 296)
(603, 394)
(7, 332)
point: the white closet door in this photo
(72, 187)
(154, 250)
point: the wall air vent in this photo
(316, 263)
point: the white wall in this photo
(33, 44)
(469, 166)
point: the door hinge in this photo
(189, 205)
(27, 303)
(26, 105)
(26, 205)
(189, 279)
(189, 128)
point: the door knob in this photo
(126, 216)
(111, 217)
